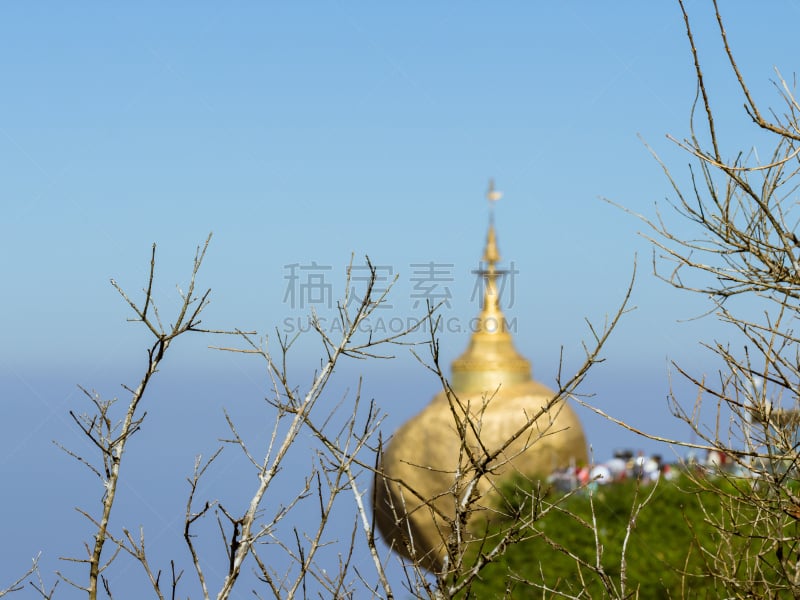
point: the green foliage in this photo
(669, 551)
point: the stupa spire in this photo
(491, 318)
(491, 359)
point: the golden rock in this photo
(492, 409)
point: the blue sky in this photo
(307, 133)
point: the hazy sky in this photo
(304, 133)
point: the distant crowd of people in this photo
(624, 465)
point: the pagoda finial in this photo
(491, 316)
(492, 195)
(491, 359)
(491, 255)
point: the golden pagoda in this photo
(459, 444)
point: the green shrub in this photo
(666, 555)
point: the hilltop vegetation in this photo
(670, 551)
